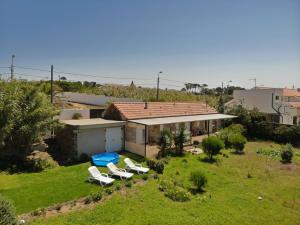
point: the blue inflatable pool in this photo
(102, 159)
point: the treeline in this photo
(132, 91)
(258, 127)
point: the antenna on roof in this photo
(254, 79)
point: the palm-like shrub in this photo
(179, 139)
(7, 212)
(212, 146)
(165, 142)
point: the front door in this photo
(113, 139)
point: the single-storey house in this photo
(145, 121)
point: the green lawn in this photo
(231, 197)
(30, 191)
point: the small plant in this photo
(155, 176)
(58, 207)
(237, 141)
(109, 191)
(39, 212)
(118, 187)
(156, 165)
(96, 196)
(212, 146)
(77, 116)
(199, 180)
(145, 177)
(179, 139)
(7, 212)
(128, 183)
(174, 192)
(88, 200)
(287, 153)
(165, 142)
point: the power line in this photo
(82, 74)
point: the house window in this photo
(277, 97)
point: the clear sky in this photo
(191, 41)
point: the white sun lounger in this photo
(122, 173)
(102, 178)
(135, 166)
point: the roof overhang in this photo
(93, 123)
(182, 119)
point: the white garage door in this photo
(114, 141)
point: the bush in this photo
(174, 192)
(226, 132)
(96, 196)
(77, 116)
(38, 161)
(165, 142)
(199, 180)
(7, 212)
(145, 177)
(287, 153)
(128, 183)
(237, 141)
(109, 191)
(156, 165)
(212, 146)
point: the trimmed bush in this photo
(232, 129)
(287, 153)
(199, 180)
(7, 212)
(237, 141)
(212, 146)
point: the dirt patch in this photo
(290, 167)
(77, 204)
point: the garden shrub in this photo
(226, 132)
(7, 212)
(287, 153)
(237, 141)
(212, 146)
(199, 180)
(128, 183)
(165, 142)
(39, 161)
(109, 191)
(174, 192)
(97, 196)
(156, 165)
(118, 187)
(179, 139)
(145, 177)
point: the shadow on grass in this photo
(195, 191)
(208, 160)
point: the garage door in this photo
(114, 140)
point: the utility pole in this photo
(157, 87)
(12, 68)
(51, 84)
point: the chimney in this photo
(146, 105)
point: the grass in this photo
(230, 198)
(30, 191)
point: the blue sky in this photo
(191, 41)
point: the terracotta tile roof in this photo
(141, 110)
(295, 104)
(291, 92)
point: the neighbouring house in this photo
(282, 105)
(146, 120)
(89, 106)
(90, 136)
